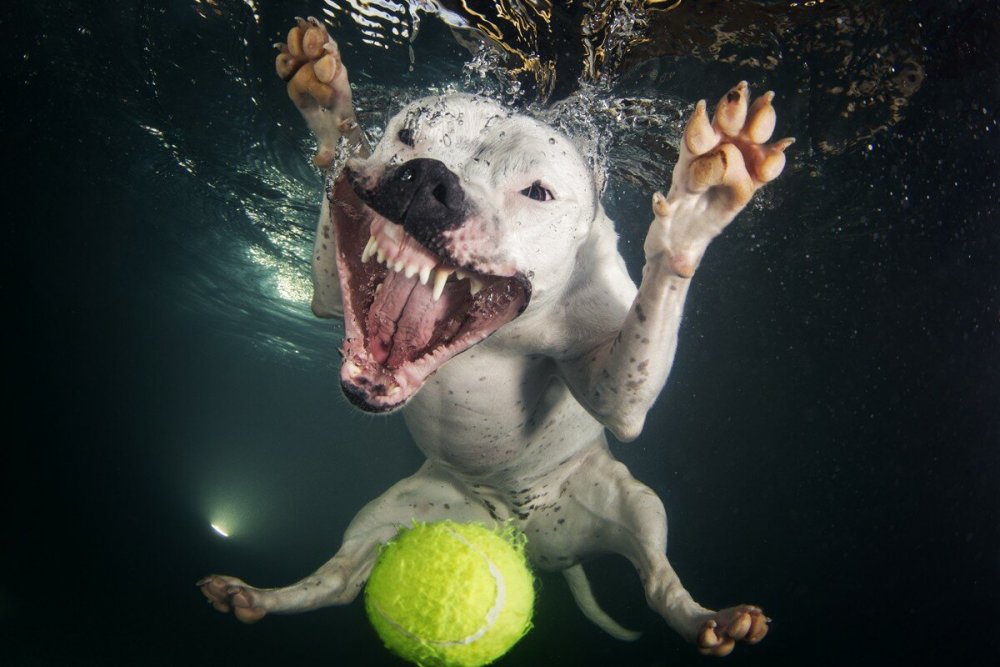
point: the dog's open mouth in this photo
(407, 310)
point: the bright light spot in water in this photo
(219, 530)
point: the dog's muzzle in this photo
(422, 195)
(410, 305)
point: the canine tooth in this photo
(425, 274)
(475, 286)
(440, 278)
(369, 249)
(380, 256)
(410, 270)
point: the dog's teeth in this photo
(398, 266)
(411, 270)
(380, 256)
(425, 274)
(440, 278)
(461, 275)
(475, 286)
(369, 249)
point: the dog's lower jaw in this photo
(362, 399)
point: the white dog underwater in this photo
(482, 290)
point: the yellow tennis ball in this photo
(449, 594)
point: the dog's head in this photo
(463, 214)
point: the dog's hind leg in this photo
(428, 495)
(601, 508)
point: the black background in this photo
(829, 445)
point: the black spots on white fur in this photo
(492, 509)
(639, 312)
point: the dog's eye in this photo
(406, 136)
(537, 192)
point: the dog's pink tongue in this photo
(422, 320)
(390, 300)
(402, 319)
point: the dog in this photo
(483, 295)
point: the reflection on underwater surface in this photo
(838, 365)
(859, 64)
(844, 76)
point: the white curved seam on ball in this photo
(491, 615)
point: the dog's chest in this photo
(498, 418)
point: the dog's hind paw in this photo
(231, 594)
(317, 83)
(719, 634)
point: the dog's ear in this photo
(602, 230)
(592, 305)
(600, 173)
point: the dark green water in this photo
(828, 445)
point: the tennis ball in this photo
(449, 594)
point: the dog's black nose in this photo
(423, 195)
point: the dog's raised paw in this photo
(730, 152)
(723, 162)
(719, 634)
(317, 81)
(310, 62)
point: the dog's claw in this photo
(326, 68)
(772, 160)
(758, 628)
(313, 39)
(731, 114)
(760, 119)
(699, 135)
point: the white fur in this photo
(514, 428)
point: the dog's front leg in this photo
(318, 85)
(722, 163)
